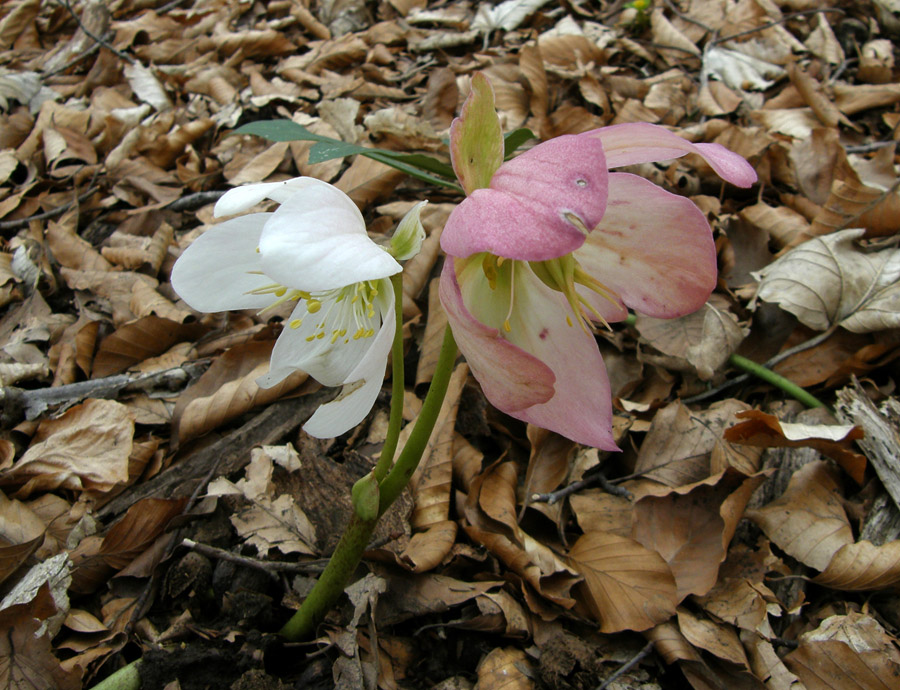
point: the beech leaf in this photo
(828, 281)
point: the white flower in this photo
(313, 250)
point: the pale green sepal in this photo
(476, 139)
(365, 497)
(409, 235)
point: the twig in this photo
(635, 660)
(17, 401)
(268, 567)
(874, 146)
(552, 497)
(99, 39)
(195, 200)
(785, 18)
(52, 213)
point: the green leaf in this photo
(280, 130)
(476, 139)
(514, 139)
(326, 150)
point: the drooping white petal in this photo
(330, 360)
(218, 271)
(364, 383)
(316, 240)
(245, 197)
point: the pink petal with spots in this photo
(641, 142)
(655, 249)
(540, 353)
(528, 211)
(511, 378)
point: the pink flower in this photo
(557, 243)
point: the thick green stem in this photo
(332, 581)
(349, 550)
(397, 385)
(409, 458)
(770, 376)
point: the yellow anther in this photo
(313, 305)
(569, 321)
(310, 338)
(280, 292)
(320, 335)
(296, 323)
(506, 326)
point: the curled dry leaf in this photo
(228, 389)
(430, 483)
(505, 668)
(626, 586)
(134, 342)
(86, 449)
(834, 440)
(21, 533)
(704, 339)
(808, 522)
(26, 657)
(716, 638)
(138, 529)
(851, 652)
(690, 527)
(682, 445)
(863, 566)
(828, 281)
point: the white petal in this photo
(241, 198)
(215, 273)
(317, 240)
(329, 363)
(357, 397)
(346, 411)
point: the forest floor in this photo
(157, 505)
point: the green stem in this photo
(332, 581)
(770, 376)
(349, 550)
(397, 385)
(409, 458)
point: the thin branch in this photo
(99, 39)
(635, 660)
(785, 18)
(52, 213)
(271, 568)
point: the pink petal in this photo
(641, 142)
(541, 348)
(523, 215)
(654, 248)
(511, 378)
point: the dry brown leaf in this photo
(548, 466)
(21, 533)
(677, 449)
(427, 550)
(691, 527)
(704, 340)
(267, 522)
(27, 661)
(835, 441)
(863, 566)
(715, 638)
(539, 566)
(228, 389)
(626, 586)
(416, 595)
(86, 449)
(71, 250)
(808, 521)
(596, 509)
(858, 205)
(433, 338)
(430, 483)
(134, 342)
(138, 529)
(828, 281)
(851, 652)
(505, 668)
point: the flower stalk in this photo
(347, 554)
